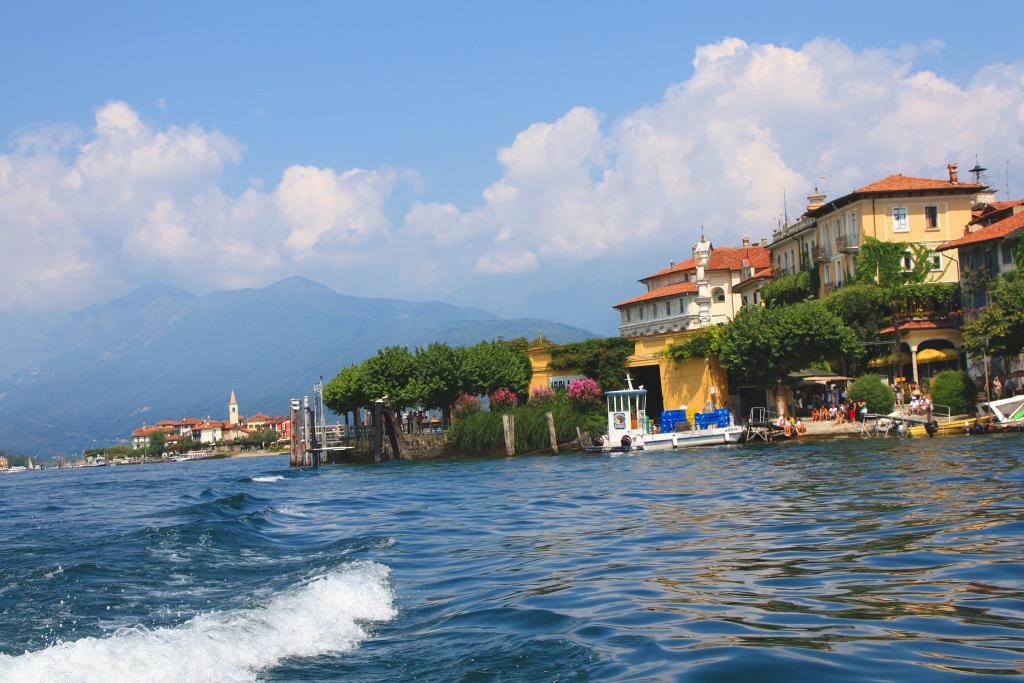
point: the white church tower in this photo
(233, 409)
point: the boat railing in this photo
(942, 411)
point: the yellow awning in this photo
(937, 355)
(883, 361)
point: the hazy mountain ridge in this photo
(91, 376)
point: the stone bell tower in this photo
(702, 255)
(233, 409)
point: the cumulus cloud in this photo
(85, 212)
(132, 204)
(721, 145)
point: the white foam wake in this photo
(268, 479)
(318, 618)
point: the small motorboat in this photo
(630, 430)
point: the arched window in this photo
(718, 294)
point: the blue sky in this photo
(432, 92)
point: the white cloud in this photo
(133, 204)
(85, 213)
(720, 146)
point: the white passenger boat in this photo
(629, 429)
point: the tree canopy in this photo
(430, 377)
(763, 345)
(1001, 324)
(788, 289)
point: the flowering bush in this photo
(465, 405)
(542, 395)
(503, 399)
(584, 391)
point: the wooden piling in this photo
(552, 432)
(294, 426)
(579, 438)
(509, 423)
(378, 430)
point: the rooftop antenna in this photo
(977, 170)
(1007, 177)
(785, 209)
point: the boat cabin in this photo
(627, 413)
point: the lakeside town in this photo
(892, 283)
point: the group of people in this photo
(791, 426)
(920, 405)
(837, 414)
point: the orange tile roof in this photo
(661, 292)
(758, 275)
(987, 212)
(1003, 228)
(905, 183)
(724, 258)
(150, 429)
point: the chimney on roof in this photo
(954, 176)
(746, 240)
(815, 199)
(671, 264)
(764, 241)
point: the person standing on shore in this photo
(997, 388)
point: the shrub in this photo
(465, 405)
(954, 389)
(543, 395)
(584, 391)
(484, 434)
(603, 359)
(871, 388)
(788, 289)
(504, 399)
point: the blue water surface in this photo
(842, 560)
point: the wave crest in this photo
(321, 617)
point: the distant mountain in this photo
(68, 382)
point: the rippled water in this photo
(843, 560)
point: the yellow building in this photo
(699, 384)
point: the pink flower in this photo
(584, 391)
(504, 399)
(542, 395)
(466, 405)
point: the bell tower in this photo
(233, 409)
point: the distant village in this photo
(208, 432)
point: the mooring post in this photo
(294, 428)
(579, 438)
(378, 431)
(307, 431)
(509, 423)
(552, 432)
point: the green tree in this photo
(440, 375)
(862, 308)
(878, 394)
(788, 289)
(999, 328)
(603, 359)
(347, 391)
(391, 372)
(494, 365)
(157, 442)
(763, 345)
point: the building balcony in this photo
(848, 244)
(821, 253)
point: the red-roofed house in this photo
(985, 250)
(694, 293)
(140, 437)
(897, 208)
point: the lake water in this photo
(843, 561)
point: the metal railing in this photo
(821, 253)
(847, 243)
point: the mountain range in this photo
(76, 380)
